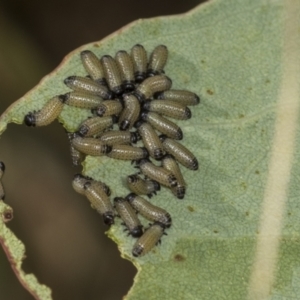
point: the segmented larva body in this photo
(95, 125)
(81, 84)
(100, 201)
(139, 59)
(112, 74)
(169, 108)
(125, 65)
(90, 146)
(180, 96)
(148, 240)
(163, 125)
(169, 163)
(149, 211)
(127, 152)
(2, 170)
(142, 187)
(93, 66)
(129, 217)
(130, 113)
(119, 137)
(150, 140)
(82, 99)
(108, 108)
(158, 60)
(158, 174)
(152, 85)
(183, 155)
(47, 114)
(76, 155)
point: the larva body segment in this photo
(181, 96)
(90, 146)
(158, 60)
(183, 155)
(125, 65)
(139, 59)
(163, 125)
(108, 108)
(95, 125)
(93, 66)
(126, 152)
(130, 113)
(76, 156)
(80, 84)
(142, 187)
(148, 240)
(82, 99)
(119, 137)
(100, 201)
(149, 211)
(129, 216)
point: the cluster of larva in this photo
(134, 93)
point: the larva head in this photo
(137, 231)
(30, 119)
(132, 178)
(2, 166)
(134, 137)
(109, 218)
(131, 196)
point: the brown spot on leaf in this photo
(247, 213)
(257, 172)
(179, 258)
(191, 209)
(216, 231)
(210, 92)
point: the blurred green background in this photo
(65, 242)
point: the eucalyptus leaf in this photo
(240, 57)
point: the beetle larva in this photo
(149, 211)
(142, 187)
(47, 114)
(156, 173)
(108, 108)
(169, 163)
(100, 201)
(130, 113)
(79, 181)
(82, 99)
(150, 139)
(129, 216)
(82, 84)
(119, 137)
(2, 169)
(126, 152)
(112, 74)
(163, 125)
(183, 155)
(90, 146)
(93, 66)
(181, 96)
(139, 59)
(158, 60)
(168, 108)
(95, 125)
(152, 85)
(76, 155)
(125, 65)
(148, 240)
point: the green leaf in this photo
(236, 233)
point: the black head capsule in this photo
(112, 74)
(84, 84)
(100, 201)
(2, 169)
(149, 211)
(125, 65)
(180, 153)
(47, 114)
(151, 140)
(115, 137)
(181, 96)
(130, 113)
(140, 186)
(148, 240)
(152, 85)
(82, 99)
(95, 125)
(108, 108)
(139, 59)
(126, 152)
(90, 146)
(168, 108)
(129, 216)
(169, 163)
(163, 125)
(158, 174)
(158, 60)
(93, 66)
